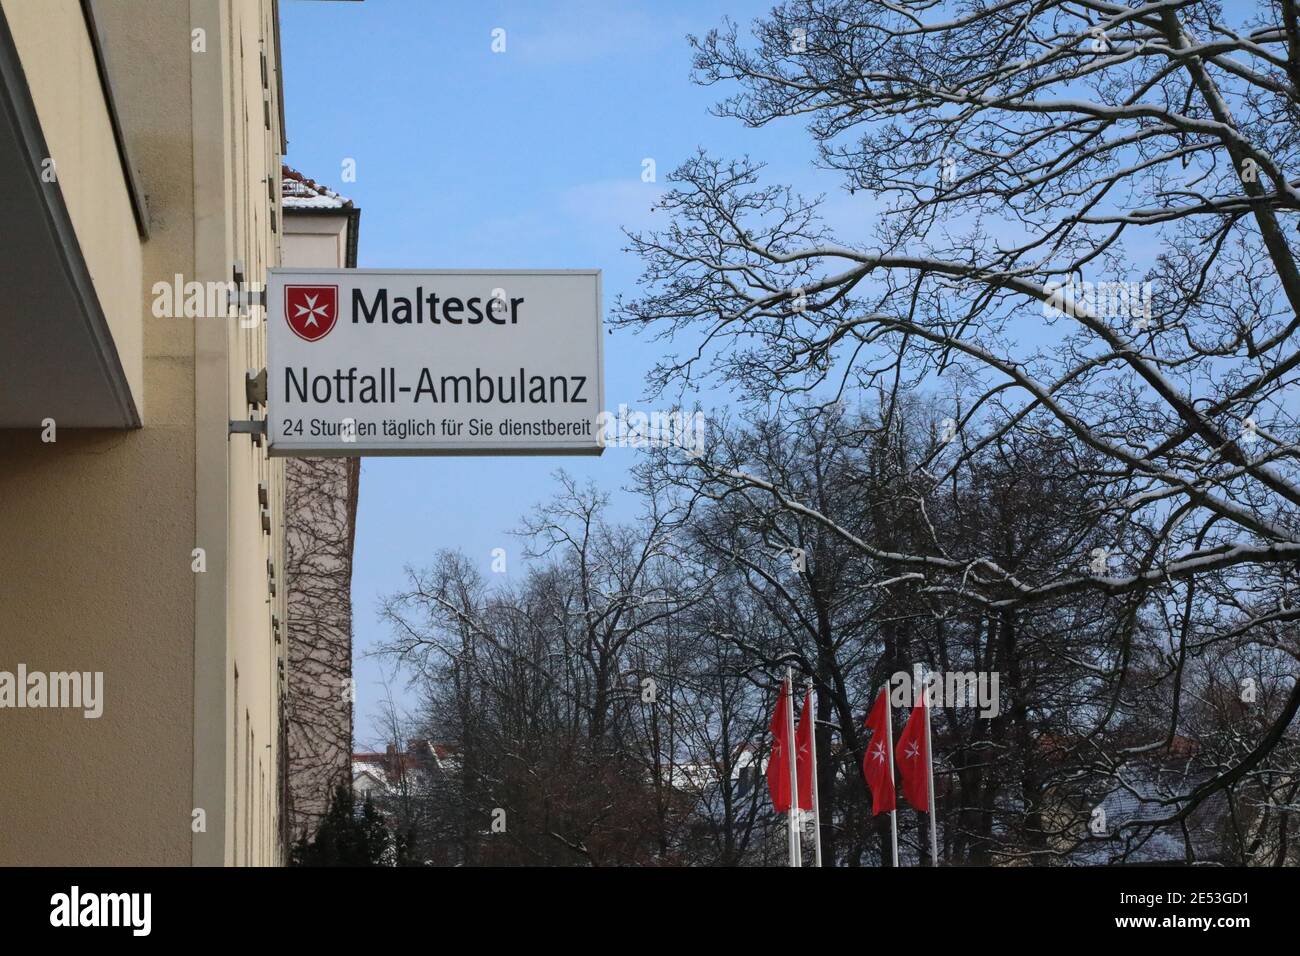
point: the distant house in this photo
(391, 772)
(321, 226)
(698, 775)
(368, 781)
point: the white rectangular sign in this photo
(406, 362)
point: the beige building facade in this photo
(143, 541)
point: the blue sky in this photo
(531, 158)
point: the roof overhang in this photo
(58, 359)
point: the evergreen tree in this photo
(346, 837)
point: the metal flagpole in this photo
(928, 699)
(817, 808)
(889, 736)
(792, 755)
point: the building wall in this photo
(322, 502)
(100, 527)
(322, 506)
(237, 155)
(315, 240)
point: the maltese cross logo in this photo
(878, 752)
(911, 751)
(311, 310)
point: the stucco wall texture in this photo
(99, 527)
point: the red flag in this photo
(778, 767)
(803, 754)
(914, 759)
(875, 765)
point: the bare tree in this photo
(542, 688)
(1085, 219)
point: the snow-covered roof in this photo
(417, 766)
(299, 192)
(360, 770)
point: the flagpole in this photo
(817, 809)
(928, 698)
(792, 759)
(889, 736)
